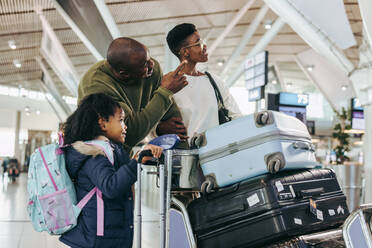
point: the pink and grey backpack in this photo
(52, 204)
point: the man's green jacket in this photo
(144, 102)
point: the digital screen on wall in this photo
(286, 98)
(357, 120)
(355, 104)
(256, 70)
(298, 112)
(256, 94)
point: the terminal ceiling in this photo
(146, 21)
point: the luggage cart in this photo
(168, 198)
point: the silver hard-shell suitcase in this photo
(252, 145)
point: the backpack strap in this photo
(47, 168)
(100, 208)
(61, 143)
(107, 149)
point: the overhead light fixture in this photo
(28, 113)
(344, 87)
(268, 24)
(12, 44)
(310, 67)
(17, 63)
(289, 85)
(274, 81)
(220, 62)
(27, 109)
(38, 112)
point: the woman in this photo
(197, 101)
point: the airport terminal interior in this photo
(297, 71)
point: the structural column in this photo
(367, 151)
(17, 150)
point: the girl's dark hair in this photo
(83, 123)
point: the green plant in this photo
(343, 138)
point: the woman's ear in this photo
(184, 54)
(102, 124)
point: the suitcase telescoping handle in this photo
(303, 146)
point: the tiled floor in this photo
(16, 230)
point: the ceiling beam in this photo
(68, 10)
(30, 11)
(230, 26)
(279, 75)
(246, 38)
(310, 33)
(260, 46)
(107, 18)
(365, 7)
(50, 86)
(169, 18)
(44, 89)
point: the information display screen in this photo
(357, 115)
(298, 112)
(293, 99)
(357, 120)
(355, 104)
(256, 70)
(255, 94)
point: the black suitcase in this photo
(326, 239)
(268, 208)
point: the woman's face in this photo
(195, 49)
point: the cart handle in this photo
(148, 153)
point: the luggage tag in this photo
(312, 206)
(313, 209)
(279, 186)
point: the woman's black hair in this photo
(176, 38)
(83, 123)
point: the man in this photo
(131, 77)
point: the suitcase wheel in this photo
(262, 118)
(197, 141)
(208, 185)
(274, 163)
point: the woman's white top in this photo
(198, 103)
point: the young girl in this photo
(100, 117)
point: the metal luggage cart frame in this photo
(167, 198)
